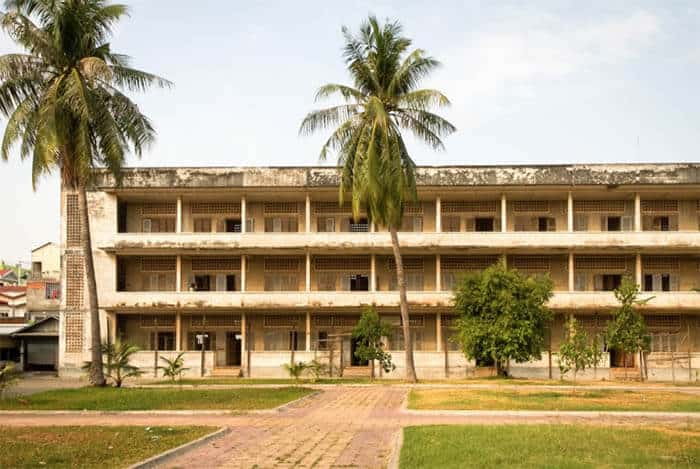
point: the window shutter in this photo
(647, 223)
(551, 224)
(627, 223)
(497, 224)
(675, 282)
(656, 282)
(604, 223)
(469, 224)
(147, 225)
(220, 282)
(250, 225)
(598, 282)
(581, 222)
(277, 225)
(153, 282)
(330, 225)
(673, 222)
(417, 224)
(580, 282)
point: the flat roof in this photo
(618, 174)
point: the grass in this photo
(607, 399)
(72, 447)
(115, 399)
(550, 446)
(278, 381)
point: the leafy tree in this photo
(173, 368)
(295, 370)
(9, 376)
(369, 332)
(627, 332)
(116, 362)
(66, 108)
(384, 100)
(318, 369)
(502, 315)
(577, 352)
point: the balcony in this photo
(666, 301)
(137, 243)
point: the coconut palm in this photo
(65, 106)
(376, 168)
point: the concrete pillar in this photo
(244, 262)
(113, 328)
(504, 213)
(373, 273)
(244, 344)
(638, 269)
(308, 214)
(570, 213)
(438, 215)
(438, 331)
(572, 283)
(178, 273)
(637, 212)
(308, 331)
(178, 216)
(178, 332)
(244, 218)
(438, 273)
(308, 272)
(372, 227)
(21, 355)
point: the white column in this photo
(570, 213)
(244, 218)
(438, 331)
(637, 212)
(438, 273)
(438, 215)
(178, 219)
(178, 274)
(244, 345)
(572, 285)
(504, 213)
(372, 227)
(244, 268)
(373, 273)
(308, 214)
(178, 332)
(308, 272)
(308, 331)
(638, 269)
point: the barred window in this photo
(166, 208)
(156, 320)
(202, 225)
(467, 263)
(531, 263)
(470, 206)
(282, 264)
(281, 282)
(661, 263)
(73, 222)
(656, 206)
(219, 208)
(600, 263)
(331, 208)
(531, 206)
(450, 224)
(281, 207)
(350, 263)
(158, 264)
(214, 264)
(599, 206)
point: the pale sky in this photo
(530, 83)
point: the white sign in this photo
(201, 337)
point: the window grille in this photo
(220, 208)
(331, 208)
(74, 331)
(281, 207)
(149, 321)
(202, 225)
(593, 323)
(282, 264)
(414, 320)
(281, 282)
(599, 206)
(281, 321)
(448, 321)
(325, 225)
(467, 263)
(335, 321)
(52, 291)
(326, 281)
(409, 263)
(661, 263)
(470, 206)
(165, 208)
(74, 280)
(412, 208)
(601, 263)
(450, 224)
(659, 206)
(212, 264)
(663, 323)
(664, 342)
(73, 223)
(281, 224)
(158, 264)
(531, 263)
(350, 263)
(219, 320)
(531, 206)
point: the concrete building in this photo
(13, 302)
(46, 261)
(264, 266)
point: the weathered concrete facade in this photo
(268, 266)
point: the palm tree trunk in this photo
(96, 373)
(407, 339)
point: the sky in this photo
(534, 82)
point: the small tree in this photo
(577, 352)
(369, 332)
(502, 315)
(317, 369)
(9, 376)
(116, 359)
(627, 332)
(174, 368)
(295, 370)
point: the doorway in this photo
(233, 225)
(233, 349)
(354, 361)
(620, 359)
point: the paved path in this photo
(339, 427)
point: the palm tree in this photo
(66, 108)
(376, 168)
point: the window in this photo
(326, 281)
(282, 340)
(412, 224)
(202, 283)
(53, 291)
(165, 341)
(322, 340)
(546, 224)
(580, 281)
(209, 340)
(202, 225)
(359, 283)
(613, 223)
(448, 280)
(607, 282)
(281, 282)
(660, 282)
(483, 224)
(359, 226)
(158, 225)
(396, 340)
(450, 224)
(231, 282)
(580, 222)
(233, 225)
(661, 224)
(161, 282)
(281, 225)
(414, 281)
(325, 225)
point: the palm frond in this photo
(324, 118)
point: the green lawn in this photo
(277, 381)
(73, 447)
(526, 399)
(155, 399)
(550, 446)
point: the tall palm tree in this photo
(66, 109)
(376, 168)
